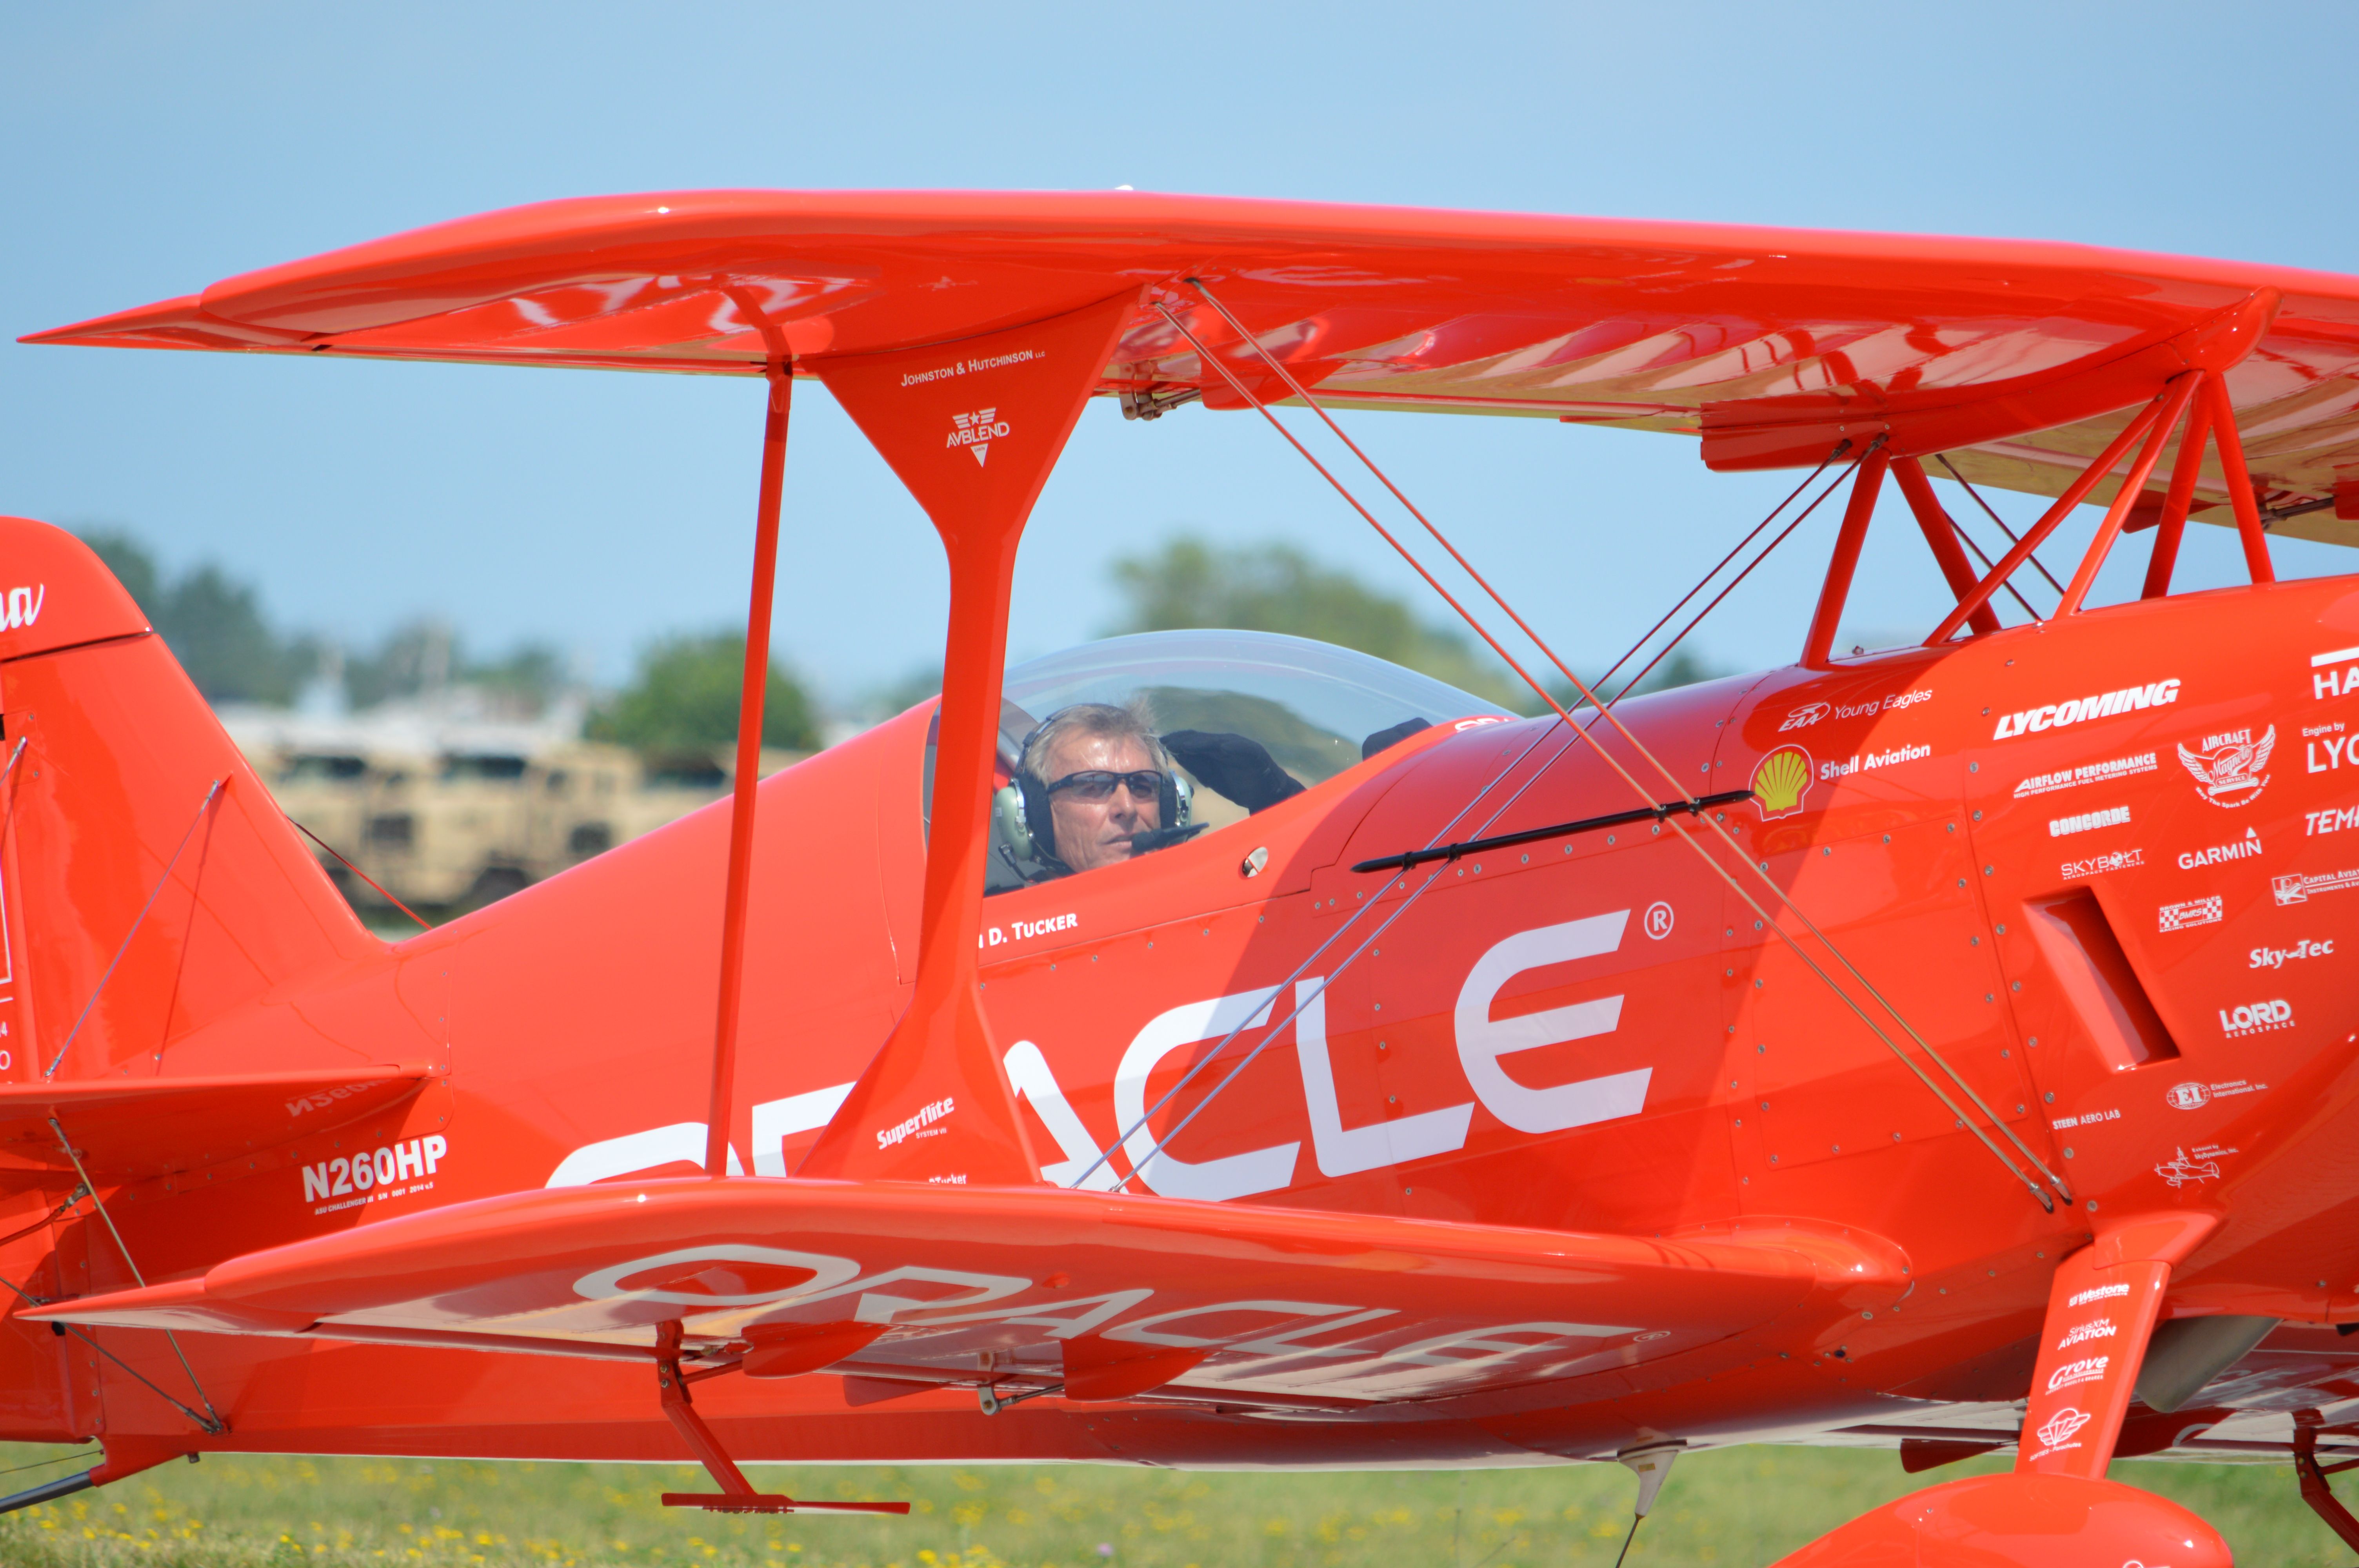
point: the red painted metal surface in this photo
(1559, 1152)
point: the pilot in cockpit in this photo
(1094, 784)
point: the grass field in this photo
(1732, 1508)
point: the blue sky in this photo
(154, 147)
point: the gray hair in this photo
(1131, 720)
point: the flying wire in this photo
(203, 807)
(75, 1329)
(100, 1204)
(364, 876)
(1718, 826)
(2011, 537)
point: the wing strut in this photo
(749, 754)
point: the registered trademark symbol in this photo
(1658, 920)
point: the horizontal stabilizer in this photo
(1030, 1286)
(135, 1129)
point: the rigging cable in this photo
(216, 1423)
(1718, 825)
(2013, 538)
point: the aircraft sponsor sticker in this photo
(2186, 1168)
(2082, 1333)
(2330, 753)
(2088, 821)
(1779, 781)
(2087, 1370)
(1904, 753)
(2098, 865)
(915, 1126)
(2209, 910)
(2334, 674)
(2336, 819)
(2096, 1293)
(2193, 1096)
(2089, 1119)
(2256, 1018)
(24, 606)
(1660, 919)
(968, 366)
(2080, 709)
(321, 1100)
(2277, 957)
(391, 1172)
(2227, 766)
(2055, 1433)
(2297, 888)
(2086, 774)
(977, 430)
(2243, 849)
(1802, 718)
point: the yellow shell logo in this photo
(1781, 780)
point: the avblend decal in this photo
(2080, 710)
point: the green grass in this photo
(1736, 1506)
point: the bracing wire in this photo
(2011, 537)
(1716, 825)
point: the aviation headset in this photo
(1024, 818)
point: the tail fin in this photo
(149, 883)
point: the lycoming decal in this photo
(2082, 822)
(2087, 773)
(888, 1136)
(2339, 751)
(2207, 910)
(2244, 849)
(2080, 710)
(371, 1177)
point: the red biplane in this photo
(1937, 1047)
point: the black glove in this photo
(1233, 766)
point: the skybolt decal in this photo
(2057, 715)
(2098, 865)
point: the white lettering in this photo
(1030, 1075)
(681, 1142)
(1482, 1040)
(1231, 1176)
(1341, 1151)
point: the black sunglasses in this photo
(1098, 784)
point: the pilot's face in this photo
(1092, 833)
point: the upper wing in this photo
(910, 1283)
(2015, 357)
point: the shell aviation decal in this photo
(1781, 780)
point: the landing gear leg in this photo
(737, 1495)
(2315, 1490)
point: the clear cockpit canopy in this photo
(1249, 717)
